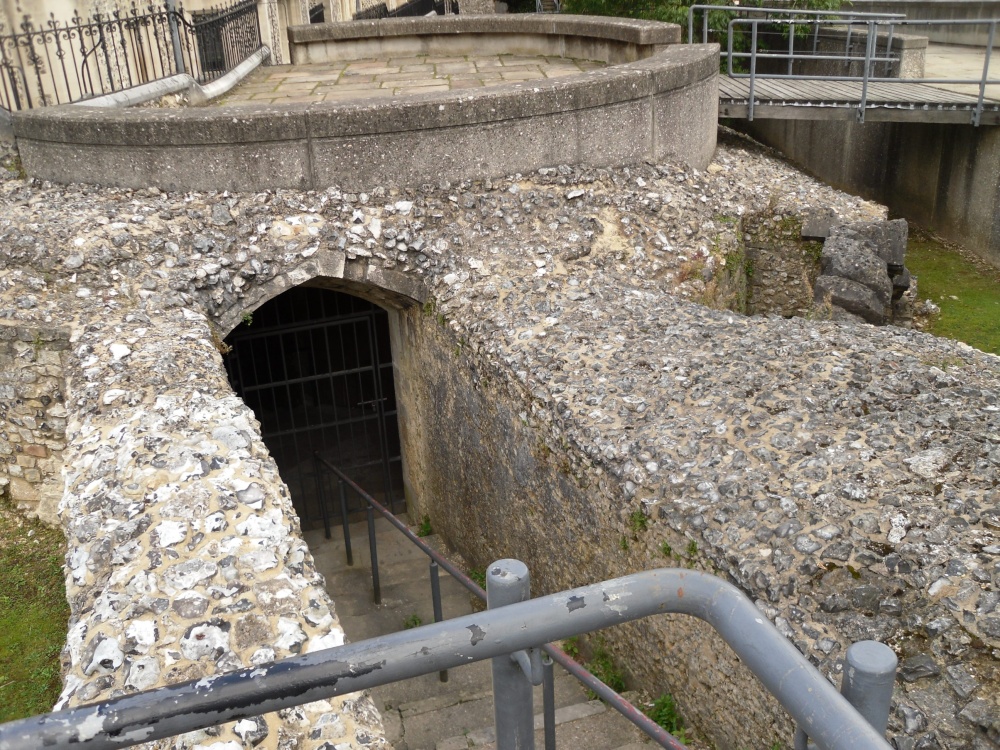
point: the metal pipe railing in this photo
(873, 23)
(813, 702)
(609, 696)
(774, 12)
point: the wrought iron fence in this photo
(57, 62)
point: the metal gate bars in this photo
(316, 368)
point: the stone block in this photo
(887, 239)
(851, 259)
(851, 296)
(818, 222)
(24, 493)
(38, 451)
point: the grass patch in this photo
(33, 614)
(600, 663)
(665, 713)
(413, 621)
(425, 528)
(479, 576)
(966, 289)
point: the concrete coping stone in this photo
(626, 30)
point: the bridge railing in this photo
(780, 43)
(874, 29)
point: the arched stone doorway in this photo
(315, 366)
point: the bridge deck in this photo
(838, 100)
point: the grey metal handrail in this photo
(874, 26)
(771, 13)
(623, 706)
(827, 717)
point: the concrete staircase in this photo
(424, 713)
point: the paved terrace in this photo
(398, 76)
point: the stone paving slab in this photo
(395, 77)
(956, 61)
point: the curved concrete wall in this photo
(662, 105)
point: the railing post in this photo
(869, 674)
(373, 549)
(978, 114)
(508, 582)
(438, 612)
(549, 702)
(175, 43)
(344, 521)
(753, 67)
(321, 496)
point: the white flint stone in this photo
(205, 640)
(119, 351)
(290, 635)
(143, 673)
(928, 463)
(142, 633)
(169, 533)
(107, 657)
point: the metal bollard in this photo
(508, 582)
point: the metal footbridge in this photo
(821, 65)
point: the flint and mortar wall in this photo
(32, 416)
(486, 462)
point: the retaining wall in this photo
(663, 105)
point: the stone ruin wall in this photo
(32, 416)
(785, 452)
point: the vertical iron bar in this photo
(791, 46)
(508, 582)
(977, 115)
(373, 548)
(321, 495)
(888, 53)
(438, 611)
(549, 702)
(753, 67)
(870, 42)
(344, 521)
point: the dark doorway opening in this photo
(316, 368)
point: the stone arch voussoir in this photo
(331, 270)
